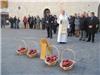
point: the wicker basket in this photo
(53, 63)
(31, 55)
(30, 46)
(73, 61)
(22, 45)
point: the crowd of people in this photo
(84, 26)
(30, 22)
(38, 23)
(14, 22)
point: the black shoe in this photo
(63, 42)
(60, 42)
(88, 41)
(83, 40)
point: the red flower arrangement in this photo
(21, 51)
(67, 64)
(51, 60)
(32, 53)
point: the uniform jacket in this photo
(49, 20)
(93, 21)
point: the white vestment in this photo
(62, 30)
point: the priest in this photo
(63, 26)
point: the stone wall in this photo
(21, 9)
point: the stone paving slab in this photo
(87, 55)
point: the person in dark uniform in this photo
(29, 21)
(55, 24)
(48, 22)
(14, 20)
(34, 22)
(72, 25)
(93, 21)
(43, 23)
(11, 22)
(17, 23)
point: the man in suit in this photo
(82, 27)
(93, 21)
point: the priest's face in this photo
(63, 12)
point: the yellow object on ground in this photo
(45, 48)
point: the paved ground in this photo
(87, 55)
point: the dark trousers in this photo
(34, 26)
(86, 33)
(17, 26)
(82, 35)
(91, 36)
(11, 25)
(72, 30)
(49, 32)
(14, 25)
(31, 26)
(43, 26)
(55, 29)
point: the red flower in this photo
(67, 63)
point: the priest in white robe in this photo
(63, 26)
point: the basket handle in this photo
(68, 49)
(31, 39)
(53, 46)
(34, 42)
(23, 41)
(31, 44)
